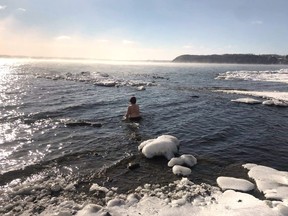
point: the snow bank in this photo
(182, 198)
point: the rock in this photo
(55, 188)
(83, 123)
(133, 166)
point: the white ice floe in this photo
(273, 183)
(247, 100)
(265, 76)
(165, 145)
(234, 184)
(181, 170)
(185, 159)
(274, 98)
(141, 88)
(97, 78)
(274, 102)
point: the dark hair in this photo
(133, 100)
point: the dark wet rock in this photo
(133, 166)
(55, 188)
(106, 214)
(38, 209)
(83, 123)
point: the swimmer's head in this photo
(133, 100)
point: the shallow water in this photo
(39, 97)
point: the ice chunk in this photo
(96, 187)
(234, 184)
(115, 202)
(89, 209)
(181, 170)
(275, 103)
(247, 101)
(186, 159)
(165, 145)
(273, 183)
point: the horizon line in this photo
(79, 58)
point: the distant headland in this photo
(233, 59)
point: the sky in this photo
(142, 29)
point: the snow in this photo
(187, 198)
(96, 187)
(183, 197)
(234, 184)
(165, 145)
(218, 203)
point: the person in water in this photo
(133, 111)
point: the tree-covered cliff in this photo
(234, 59)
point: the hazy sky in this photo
(142, 29)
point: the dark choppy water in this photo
(38, 97)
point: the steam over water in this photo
(44, 103)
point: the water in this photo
(38, 98)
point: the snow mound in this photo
(165, 145)
(234, 184)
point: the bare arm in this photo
(128, 112)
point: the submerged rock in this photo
(83, 123)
